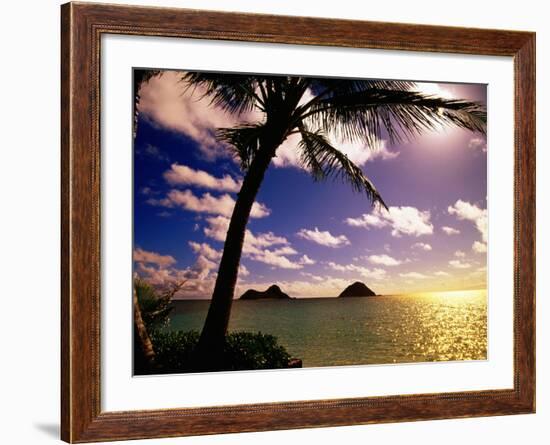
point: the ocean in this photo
(437, 326)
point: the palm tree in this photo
(144, 352)
(314, 108)
(151, 309)
(355, 110)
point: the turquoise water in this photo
(351, 331)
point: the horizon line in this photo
(335, 297)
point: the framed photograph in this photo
(275, 222)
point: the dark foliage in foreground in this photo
(242, 351)
(155, 304)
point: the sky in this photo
(311, 238)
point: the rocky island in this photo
(357, 289)
(272, 292)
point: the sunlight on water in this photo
(373, 330)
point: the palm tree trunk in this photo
(210, 347)
(146, 347)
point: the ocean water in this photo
(370, 330)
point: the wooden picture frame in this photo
(82, 26)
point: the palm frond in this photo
(234, 93)
(363, 115)
(327, 87)
(244, 141)
(155, 304)
(336, 87)
(143, 76)
(325, 161)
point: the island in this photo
(357, 289)
(272, 292)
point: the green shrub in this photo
(246, 350)
(242, 351)
(173, 350)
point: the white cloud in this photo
(158, 269)
(255, 245)
(471, 212)
(174, 105)
(200, 276)
(312, 276)
(460, 254)
(413, 275)
(324, 238)
(265, 239)
(157, 276)
(478, 143)
(342, 268)
(198, 279)
(207, 203)
(216, 227)
(375, 274)
(284, 250)
(183, 175)
(144, 256)
(366, 220)
(457, 264)
(360, 153)
(202, 267)
(441, 273)
(403, 220)
(273, 259)
(305, 260)
(422, 246)
(206, 250)
(479, 247)
(450, 230)
(384, 260)
(288, 154)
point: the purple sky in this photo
(313, 239)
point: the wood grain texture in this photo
(82, 27)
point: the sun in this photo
(434, 89)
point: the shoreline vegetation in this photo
(159, 352)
